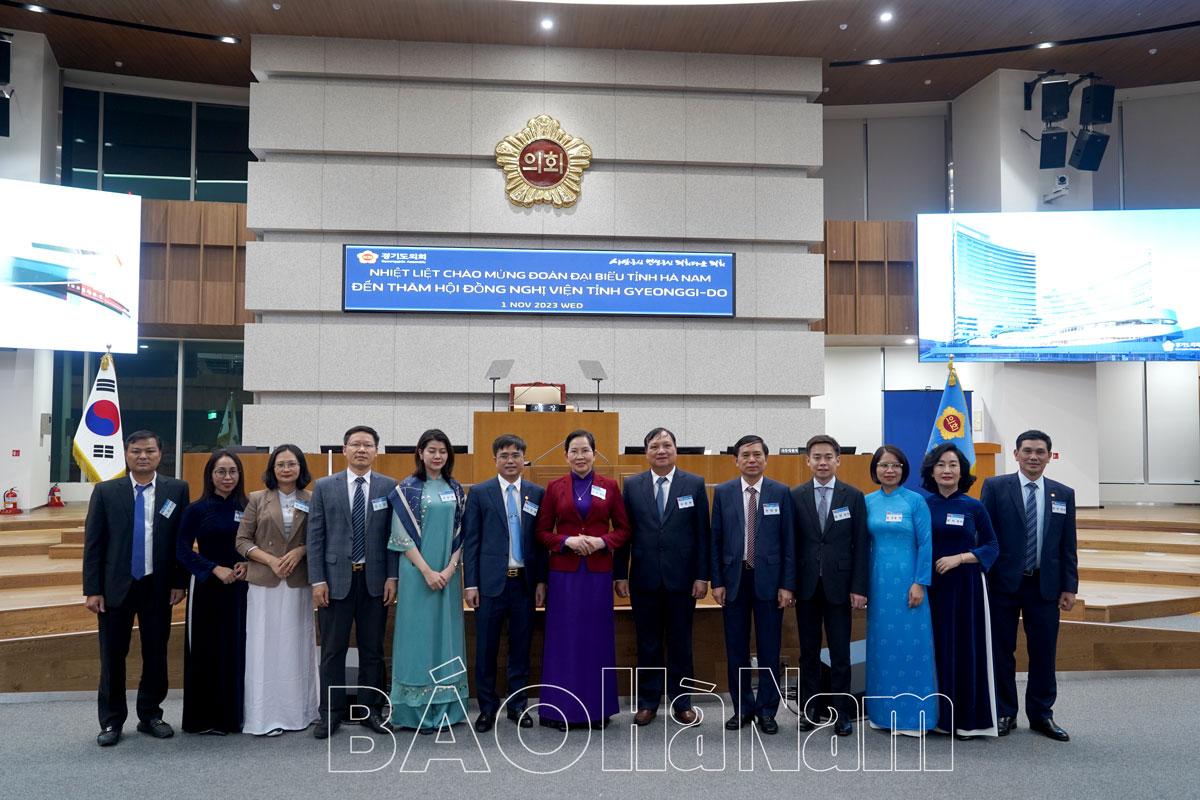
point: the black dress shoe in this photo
(1047, 727)
(484, 722)
(377, 723)
(738, 721)
(556, 724)
(1005, 725)
(964, 737)
(844, 727)
(519, 716)
(427, 731)
(806, 724)
(601, 724)
(156, 728)
(768, 725)
(324, 729)
(109, 736)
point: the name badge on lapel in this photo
(955, 519)
(530, 508)
(770, 509)
(893, 516)
(237, 516)
(300, 505)
(1057, 507)
(379, 504)
(686, 501)
(840, 514)
(599, 491)
(447, 496)
(168, 509)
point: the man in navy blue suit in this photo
(1035, 577)
(753, 566)
(505, 571)
(668, 513)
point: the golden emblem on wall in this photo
(543, 164)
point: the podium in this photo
(544, 433)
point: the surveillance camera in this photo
(1062, 182)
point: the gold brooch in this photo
(543, 164)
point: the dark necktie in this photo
(1031, 527)
(137, 565)
(823, 507)
(514, 526)
(660, 497)
(751, 524)
(358, 522)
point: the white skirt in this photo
(281, 659)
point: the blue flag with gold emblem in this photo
(953, 423)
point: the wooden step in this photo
(66, 551)
(1145, 518)
(27, 543)
(1140, 541)
(50, 610)
(1121, 602)
(1165, 569)
(43, 518)
(72, 536)
(23, 572)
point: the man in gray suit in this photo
(353, 576)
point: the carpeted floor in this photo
(1133, 735)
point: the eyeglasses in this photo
(225, 473)
(361, 446)
(287, 464)
(886, 467)
(510, 456)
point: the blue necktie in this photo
(514, 526)
(138, 564)
(358, 522)
(661, 498)
(1031, 527)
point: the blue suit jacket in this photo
(672, 552)
(330, 536)
(1005, 504)
(485, 538)
(775, 541)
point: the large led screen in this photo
(69, 262)
(476, 280)
(1061, 286)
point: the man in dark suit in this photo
(668, 512)
(505, 572)
(1035, 577)
(353, 576)
(832, 550)
(752, 560)
(129, 569)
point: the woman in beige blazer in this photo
(281, 653)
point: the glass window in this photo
(67, 410)
(146, 386)
(80, 131)
(222, 152)
(147, 146)
(212, 395)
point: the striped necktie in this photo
(358, 522)
(1031, 527)
(751, 524)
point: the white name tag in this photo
(379, 504)
(893, 516)
(1057, 507)
(955, 519)
(168, 509)
(530, 507)
(770, 509)
(599, 491)
(686, 501)
(447, 496)
(237, 516)
(840, 514)
(300, 506)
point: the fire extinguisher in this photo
(10, 502)
(55, 499)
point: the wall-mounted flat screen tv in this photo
(69, 263)
(1062, 286)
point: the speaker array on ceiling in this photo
(1096, 108)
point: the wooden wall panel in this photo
(219, 223)
(839, 240)
(901, 241)
(902, 298)
(218, 287)
(183, 276)
(870, 279)
(152, 302)
(872, 298)
(154, 221)
(870, 241)
(183, 221)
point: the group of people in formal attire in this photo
(944, 579)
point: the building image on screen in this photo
(1074, 286)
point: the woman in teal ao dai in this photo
(427, 511)
(900, 665)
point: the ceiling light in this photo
(1044, 45)
(79, 141)
(229, 40)
(885, 16)
(119, 63)
(656, 2)
(35, 9)
(547, 24)
(874, 61)
(843, 26)
(143, 347)
(910, 341)
(1153, 51)
(276, 6)
(928, 81)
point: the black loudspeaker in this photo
(3, 116)
(1054, 149)
(1056, 100)
(5, 61)
(1088, 150)
(1097, 105)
